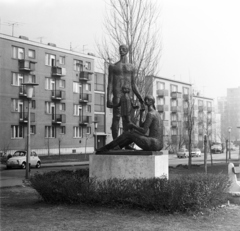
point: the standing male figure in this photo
(120, 74)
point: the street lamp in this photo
(229, 144)
(29, 88)
(95, 127)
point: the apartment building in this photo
(173, 100)
(70, 97)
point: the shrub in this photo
(181, 194)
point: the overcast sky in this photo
(201, 38)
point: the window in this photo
(99, 102)
(88, 108)
(50, 60)
(61, 60)
(174, 88)
(160, 86)
(173, 117)
(76, 87)
(174, 131)
(173, 103)
(99, 83)
(209, 104)
(17, 131)
(50, 132)
(17, 79)
(88, 130)
(49, 107)
(160, 101)
(49, 84)
(62, 83)
(33, 104)
(17, 105)
(100, 118)
(186, 91)
(18, 53)
(162, 115)
(77, 110)
(31, 54)
(200, 103)
(88, 65)
(62, 130)
(88, 87)
(77, 132)
(32, 129)
(62, 107)
(77, 65)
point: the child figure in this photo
(126, 107)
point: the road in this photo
(15, 176)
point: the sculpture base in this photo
(108, 165)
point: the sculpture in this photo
(126, 105)
(120, 74)
(153, 123)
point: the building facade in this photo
(176, 102)
(70, 97)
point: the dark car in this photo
(216, 149)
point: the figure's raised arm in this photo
(110, 87)
(135, 88)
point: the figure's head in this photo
(125, 89)
(150, 100)
(123, 50)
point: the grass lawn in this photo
(22, 210)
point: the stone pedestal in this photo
(129, 164)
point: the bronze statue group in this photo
(121, 83)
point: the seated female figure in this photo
(151, 142)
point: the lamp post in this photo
(229, 144)
(95, 127)
(205, 152)
(29, 88)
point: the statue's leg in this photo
(115, 126)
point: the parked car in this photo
(182, 153)
(18, 160)
(196, 152)
(4, 157)
(216, 149)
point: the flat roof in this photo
(171, 80)
(45, 46)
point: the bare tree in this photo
(190, 120)
(136, 24)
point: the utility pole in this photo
(205, 153)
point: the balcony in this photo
(26, 65)
(176, 109)
(174, 123)
(58, 71)
(162, 93)
(162, 108)
(209, 109)
(85, 98)
(85, 76)
(209, 120)
(174, 138)
(176, 95)
(201, 108)
(85, 120)
(186, 97)
(23, 117)
(58, 119)
(23, 91)
(58, 95)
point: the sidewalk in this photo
(17, 182)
